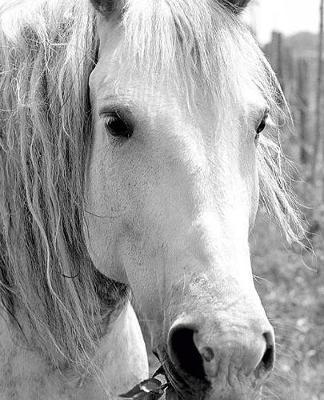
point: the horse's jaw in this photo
(122, 354)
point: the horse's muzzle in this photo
(234, 361)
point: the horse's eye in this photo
(118, 126)
(262, 124)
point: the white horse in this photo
(134, 138)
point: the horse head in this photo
(136, 139)
(172, 184)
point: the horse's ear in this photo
(106, 7)
(236, 6)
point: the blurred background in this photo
(291, 280)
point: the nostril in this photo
(184, 353)
(268, 359)
(267, 362)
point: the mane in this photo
(46, 276)
(45, 136)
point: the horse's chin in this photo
(232, 394)
(212, 394)
(187, 387)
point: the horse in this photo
(137, 139)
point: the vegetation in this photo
(290, 281)
(291, 286)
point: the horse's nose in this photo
(209, 355)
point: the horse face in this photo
(170, 204)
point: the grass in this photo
(291, 286)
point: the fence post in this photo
(317, 141)
(302, 101)
(277, 56)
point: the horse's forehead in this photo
(118, 80)
(113, 85)
(117, 74)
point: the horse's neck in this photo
(24, 375)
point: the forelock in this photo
(192, 47)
